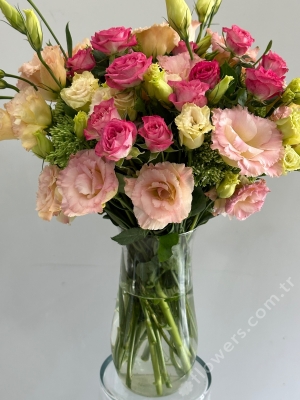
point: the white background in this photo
(58, 283)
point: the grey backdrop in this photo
(58, 283)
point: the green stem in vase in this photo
(182, 353)
(131, 349)
(161, 359)
(153, 353)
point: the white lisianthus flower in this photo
(80, 93)
(192, 123)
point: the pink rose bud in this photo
(116, 140)
(113, 40)
(157, 135)
(263, 84)
(82, 61)
(275, 63)
(127, 71)
(188, 92)
(207, 72)
(102, 114)
(238, 40)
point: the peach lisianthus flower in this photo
(157, 40)
(81, 46)
(35, 72)
(6, 131)
(48, 202)
(86, 184)
(178, 67)
(161, 194)
(248, 142)
(29, 113)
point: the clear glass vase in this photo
(154, 330)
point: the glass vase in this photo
(154, 329)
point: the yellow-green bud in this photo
(43, 147)
(219, 90)
(227, 187)
(2, 74)
(13, 16)
(155, 84)
(3, 84)
(179, 17)
(294, 87)
(287, 96)
(34, 30)
(203, 45)
(291, 160)
(290, 127)
(204, 9)
(80, 123)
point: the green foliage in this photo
(208, 166)
(130, 236)
(165, 246)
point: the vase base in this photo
(196, 387)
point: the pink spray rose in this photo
(207, 72)
(178, 67)
(275, 63)
(247, 200)
(116, 140)
(86, 184)
(188, 92)
(48, 202)
(161, 194)
(83, 60)
(113, 40)
(102, 114)
(248, 142)
(127, 71)
(238, 40)
(263, 84)
(157, 135)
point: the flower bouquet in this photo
(159, 130)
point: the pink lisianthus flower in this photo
(82, 61)
(116, 140)
(263, 84)
(248, 142)
(177, 67)
(207, 72)
(188, 92)
(275, 63)
(157, 135)
(247, 200)
(113, 40)
(161, 194)
(181, 48)
(238, 40)
(127, 71)
(103, 113)
(86, 184)
(48, 202)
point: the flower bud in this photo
(80, 123)
(3, 84)
(2, 74)
(227, 187)
(155, 84)
(44, 146)
(13, 16)
(294, 87)
(179, 17)
(203, 45)
(288, 96)
(204, 9)
(291, 160)
(219, 90)
(34, 30)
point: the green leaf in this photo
(99, 56)
(130, 236)
(165, 246)
(121, 182)
(242, 97)
(198, 202)
(135, 153)
(153, 156)
(69, 40)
